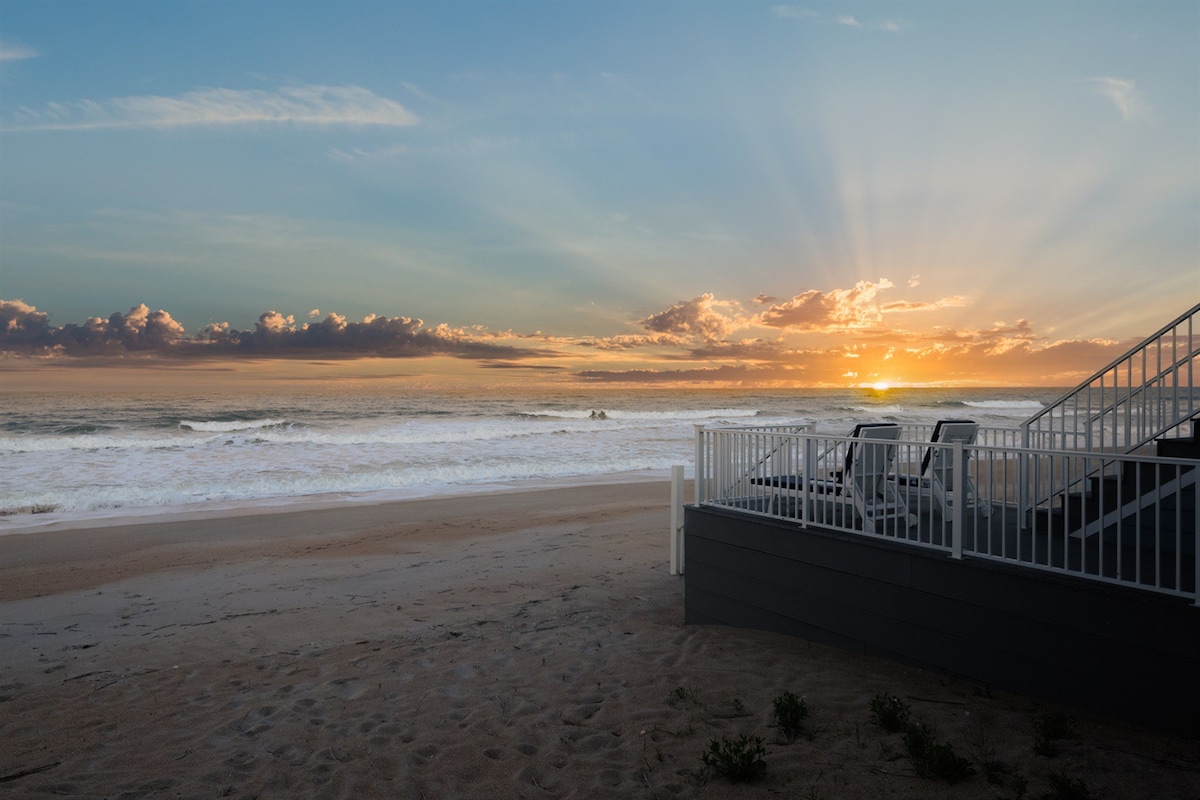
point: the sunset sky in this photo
(757, 194)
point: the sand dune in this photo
(515, 645)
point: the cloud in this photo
(11, 51)
(726, 374)
(793, 12)
(306, 106)
(839, 308)
(18, 319)
(808, 15)
(688, 343)
(695, 318)
(902, 306)
(26, 331)
(1124, 95)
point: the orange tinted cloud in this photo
(699, 317)
(855, 307)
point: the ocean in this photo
(76, 458)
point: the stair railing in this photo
(1148, 392)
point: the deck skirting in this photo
(1106, 649)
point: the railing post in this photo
(677, 520)
(1196, 541)
(960, 495)
(808, 474)
(699, 482)
(1023, 478)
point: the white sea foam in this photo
(231, 425)
(602, 413)
(83, 456)
(880, 409)
(1022, 404)
(1013, 408)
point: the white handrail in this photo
(1127, 389)
(1095, 531)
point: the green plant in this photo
(890, 712)
(993, 768)
(789, 711)
(934, 759)
(738, 759)
(1067, 788)
(1049, 727)
(683, 696)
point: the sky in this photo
(630, 193)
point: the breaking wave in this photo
(231, 426)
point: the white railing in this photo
(1125, 519)
(1147, 393)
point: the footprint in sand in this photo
(346, 688)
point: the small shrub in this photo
(1057, 725)
(1049, 727)
(789, 712)
(890, 712)
(738, 759)
(934, 759)
(992, 767)
(683, 696)
(1066, 788)
(995, 770)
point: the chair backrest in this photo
(870, 459)
(948, 431)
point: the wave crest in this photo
(229, 426)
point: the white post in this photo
(1196, 573)
(807, 475)
(960, 497)
(677, 520)
(1023, 478)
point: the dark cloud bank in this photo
(27, 331)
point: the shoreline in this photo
(530, 645)
(32, 523)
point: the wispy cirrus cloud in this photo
(805, 14)
(1124, 95)
(11, 51)
(794, 12)
(306, 106)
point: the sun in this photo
(881, 386)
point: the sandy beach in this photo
(522, 644)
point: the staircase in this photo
(1143, 403)
(1149, 392)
